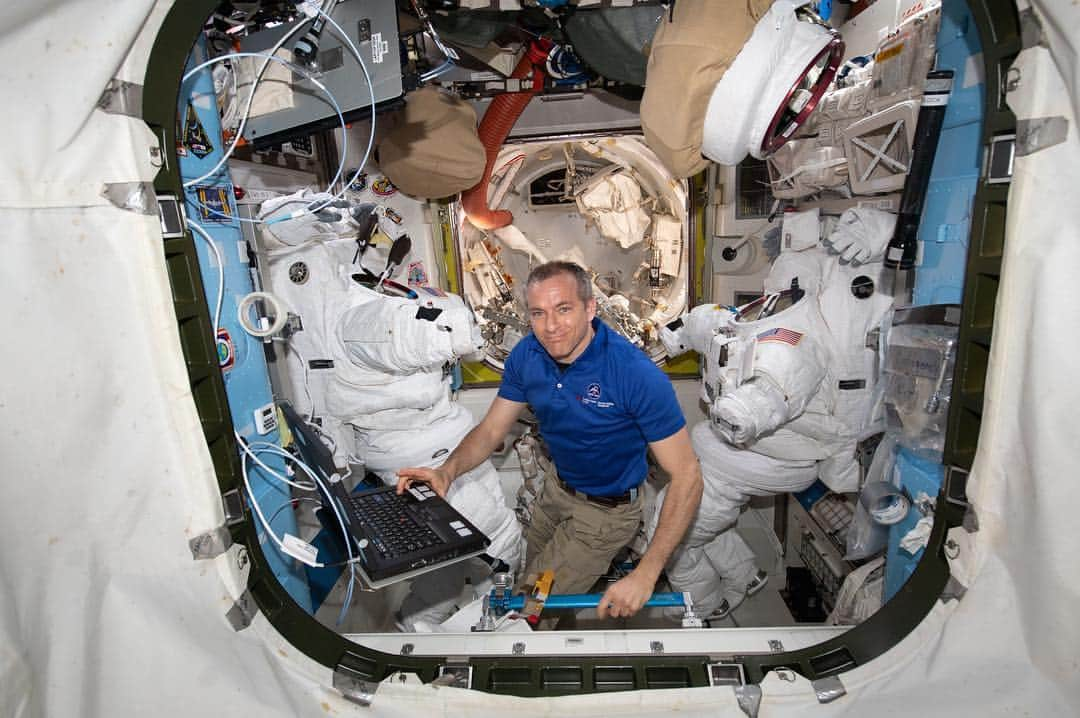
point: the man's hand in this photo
(626, 596)
(437, 479)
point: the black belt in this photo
(609, 501)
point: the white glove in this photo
(674, 340)
(695, 329)
(862, 234)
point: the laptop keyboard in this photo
(392, 527)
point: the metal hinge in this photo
(233, 506)
(454, 675)
(726, 674)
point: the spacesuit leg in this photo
(732, 558)
(713, 562)
(708, 548)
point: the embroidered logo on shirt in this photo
(592, 396)
(780, 335)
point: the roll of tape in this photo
(885, 503)
(280, 315)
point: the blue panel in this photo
(946, 220)
(810, 495)
(212, 206)
(917, 474)
(946, 223)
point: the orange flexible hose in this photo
(499, 119)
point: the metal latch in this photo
(233, 506)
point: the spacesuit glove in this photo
(673, 337)
(695, 329)
(862, 234)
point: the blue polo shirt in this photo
(600, 414)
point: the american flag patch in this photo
(433, 291)
(780, 335)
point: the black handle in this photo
(903, 247)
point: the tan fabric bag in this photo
(690, 53)
(434, 151)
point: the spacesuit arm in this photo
(786, 376)
(695, 329)
(401, 336)
(756, 407)
(471, 452)
(675, 454)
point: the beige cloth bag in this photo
(690, 53)
(434, 151)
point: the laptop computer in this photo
(396, 537)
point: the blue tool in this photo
(504, 604)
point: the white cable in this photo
(255, 506)
(344, 129)
(289, 504)
(280, 315)
(266, 524)
(221, 276)
(442, 69)
(251, 451)
(247, 107)
(303, 365)
(258, 446)
(337, 109)
(371, 94)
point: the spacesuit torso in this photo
(375, 368)
(796, 384)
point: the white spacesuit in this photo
(376, 371)
(788, 393)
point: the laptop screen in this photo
(313, 451)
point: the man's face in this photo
(559, 319)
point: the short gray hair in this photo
(554, 269)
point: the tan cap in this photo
(434, 151)
(690, 53)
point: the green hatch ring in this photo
(999, 30)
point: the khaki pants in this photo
(575, 538)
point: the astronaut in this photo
(375, 369)
(788, 383)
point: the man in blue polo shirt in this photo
(602, 404)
